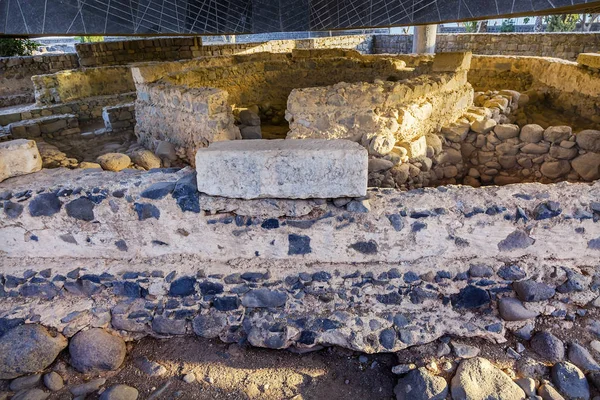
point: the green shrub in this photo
(17, 47)
(508, 25)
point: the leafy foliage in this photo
(508, 25)
(561, 23)
(17, 47)
(470, 26)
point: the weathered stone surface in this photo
(570, 381)
(87, 388)
(556, 134)
(452, 61)
(531, 133)
(582, 358)
(19, 157)
(512, 309)
(25, 382)
(53, 381)
(483, 126)
(31, 394)
(283, 169)
(587, 166)
(419, 384)
(548, 346)
(591, 60)
(506, 131)
(146, 159)
(28, 348)
(589, 140)
(114, 161)
(555, 169)
(120, 392)
(477, 378)
(530, 290)
(96, 349)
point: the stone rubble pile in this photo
(486, 146)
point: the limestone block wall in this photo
(182, 48)
(139, 50)
(120, 117)
(568, 86)
(71, 85)
(85, 109)
(189, 118)
(265, 77)
(16, 73)
(560, 45)
(245, 80)
(406, 109)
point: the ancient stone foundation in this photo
(302, 198)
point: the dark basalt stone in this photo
(298, 244)
(226, 303)
(471, 297)
(45, 204)
(158, 190)
(546, 210)
(127, 289)
(271, 223)
(12, 210)
(369, 247)
(516, 240)
(210, 288)
(264, 298)
(186, 194)
(121, 245)
(182, 287)
(145, 211)
(387, 338)
(396, 221)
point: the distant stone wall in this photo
(130, 51)
(183, 48)
(567, 85)
(71, 85)
(561, 45)
(16, 73)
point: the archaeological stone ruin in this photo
(303, 195)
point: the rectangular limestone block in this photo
(19, 157)
(452, 61)
(591, 60)
(283, 168)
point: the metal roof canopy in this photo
(220, 17)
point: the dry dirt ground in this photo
(228, 371)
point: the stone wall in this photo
(560, 45)
(130, 51)
(245, 81)
(87, 109)
(189, 118)
(16, 73)
(72, 85)
(136, 252)
(182, 48)
(566, 85)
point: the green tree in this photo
(17, 47)
(561, 22)
(508, 25)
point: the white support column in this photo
(424, 38)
